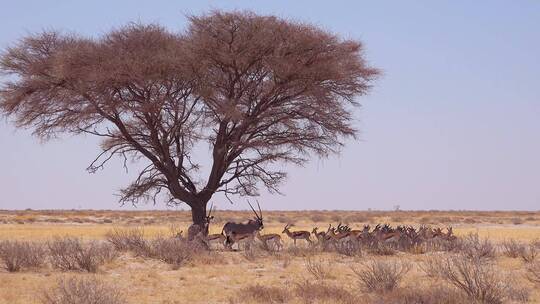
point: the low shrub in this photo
(529, 254)
(82, 291)
(381, 276)
(173, 251)
(382, 249)
(349, 248)
(473, 247)
(127, 239)
(321, 292)
(512, 248)
(16, 255)
(440, 294)
(263, 294)
(477, 278)
(533, 272)
(69, 253)
(319, 269)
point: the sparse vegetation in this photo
(381, 276)
(476, 277)
(149, 252)
(322, 292)
(318, 268)
(127, 239)
(533, 272)
(71, 254)
(82, 291)
(474, 247)
(512, 248)
(16, 255)
(263, 294)
(436, 294)
(529, 253)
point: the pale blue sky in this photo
(454, 123)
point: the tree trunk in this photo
(198, 213)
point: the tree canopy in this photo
(259, 90)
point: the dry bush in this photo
(349, 248)
(263, 294)
(252, 253)
(430, 266)
(429, 295)
(127, 239)
(71, 254)
(319, 218)
(473, 247)
(517, 221)
(173, 251)
(285, 260)
(357, 218)
(82, 291)
(533, 272)
(321, 292)
(382, 249)
(477, 278)
(529, 254)
(381, 276)
(519, 294)
(16, 255)
(300, 251)
(512, 248)
(320, 269)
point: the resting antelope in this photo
(200, 232)
(273, 239)
(297, 235)
(235, 232)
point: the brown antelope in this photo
(337, 237)
(273, 239)
(319, 236)
(297, 235)
(386, 233)
(450, 234)
(345, 228)
(216, 237)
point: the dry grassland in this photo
(235, 277)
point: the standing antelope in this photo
(235, 232)
(273, 239)
(296, 235)
(319, 236)
(340, 236)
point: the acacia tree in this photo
(258, 90)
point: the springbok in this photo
(341, 234)
(450, 234)
(235, 232)
(319, 236)
(297, 235)
(272, 239)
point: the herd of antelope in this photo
(400, 237)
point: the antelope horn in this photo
(210, 210)
(253, 209)
(260, 211)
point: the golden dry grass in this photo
(221, 279)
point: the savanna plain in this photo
(111, 257)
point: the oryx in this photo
(237, 231)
